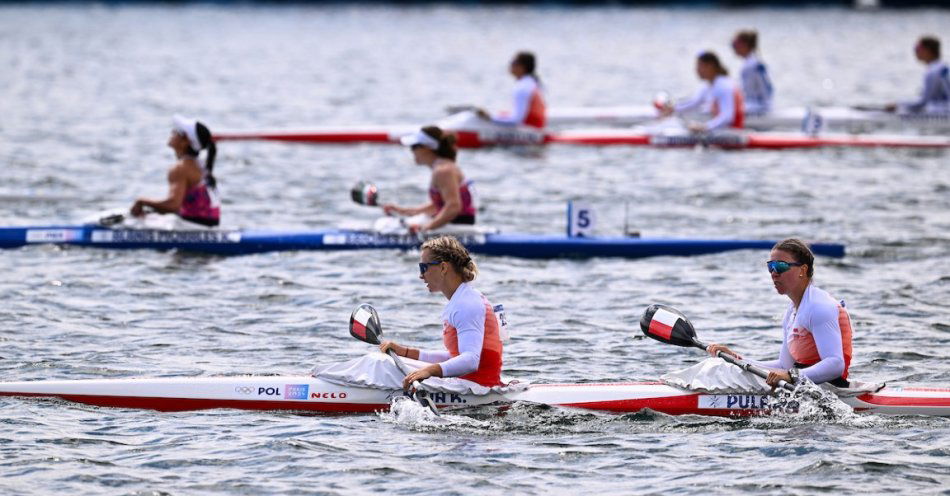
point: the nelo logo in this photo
(327, 396)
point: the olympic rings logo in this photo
(244, 389)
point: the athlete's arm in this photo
(727, 110)
(445, 181)
(693, 102)
(427, 208)
(930, 92)
(522, 103)
(177, 186)
(827, 335)
(469, 324)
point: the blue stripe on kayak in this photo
(223, 242)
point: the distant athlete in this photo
(935, 97)
(757, 88)
(191, 183)
(719, 94)
(528, 108)
(451, 199)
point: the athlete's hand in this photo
(891, 107)
(696, 127)
(778, 375)
(482, 114)
(416, 228)
(391, 345)
(390, 209)
(138, 208)
(421, 375)
(714, 349)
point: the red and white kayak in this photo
(307, 393)
(744, 140)
(841, 118)
(472, 132)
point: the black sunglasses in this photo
(424, 266)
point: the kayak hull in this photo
(612, 137)
(244, 242)
(844, 118)
(306, 393)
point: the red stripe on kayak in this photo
(311, 136)
(877, 399)
(660, 329)
(594, 139)
(191, 404)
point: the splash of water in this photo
(409, 413)
(809, 403)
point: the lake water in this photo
(87, 93)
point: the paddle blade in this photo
(669, 325)
(365, 193)
(364, 324)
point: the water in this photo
(87, 95)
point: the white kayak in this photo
(841, 118)
(307, 393)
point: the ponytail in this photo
(207, 143)
(447, 148)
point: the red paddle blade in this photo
(365, 193)
(669, 325)
(364, 324)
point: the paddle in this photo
(365, 193)
(668, 325)
(871, 107)
(365, 326)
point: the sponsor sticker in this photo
(53, 235)
(102, 236)
(734, 401)
(296, 391)
(334, 239)
(357, 238)
(328, 396)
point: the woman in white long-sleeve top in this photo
(756, 85)
(470, 331)
(817, 329)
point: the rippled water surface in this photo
(87, 93)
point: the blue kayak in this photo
(244, 242)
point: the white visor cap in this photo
(420, 138)
(189, 127)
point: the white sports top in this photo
(524, 91)
(935, 97)
(756, 86)
(817, 314)
(466, 313)
(721, 94)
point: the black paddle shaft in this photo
(668, 325)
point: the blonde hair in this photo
(449, 250)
